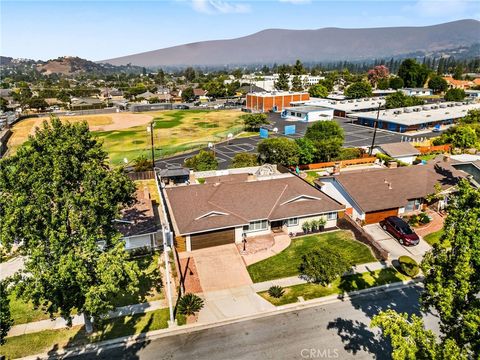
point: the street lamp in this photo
(229, 137)
(211, 146)
(375, 129)
(150, 130)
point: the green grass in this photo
(149, 283)
(23, 312)
(342, 285)
(175, 131)
(287, 262)
(434, 237)
(47, 340)
(427, 157)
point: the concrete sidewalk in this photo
(60, 323)
(296, 280)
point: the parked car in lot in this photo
(400, 230)
(182, 107)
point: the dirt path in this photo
(123, 121)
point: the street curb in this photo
(185, 329)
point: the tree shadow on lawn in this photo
(357, 336)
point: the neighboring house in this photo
(146, 95)
(373, 195)
(224, 208)
(86, 103)
(178, 175)
(417, 91)
(402, 151)
(473, 94)
(138, 223)
(459, 84)
(200, 95)
(307, 113)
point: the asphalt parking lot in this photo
(355, 136)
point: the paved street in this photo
(355, 136)
(337, 330)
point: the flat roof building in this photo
(416, 117)
(273, 101)
(307, 113)
(344, 107)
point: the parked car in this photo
(182, 107)
(400, 230)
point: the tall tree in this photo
(455, 95)
(59, 196)
(188, 94)
(282, 82)
(297, 83)
(396, 83)
(452, 283)
(327, 137)
(298, 68)
(412, 73)
(189, 74)
(203, 161)
(437, 84)
(278, 151)
(378, 73)
(318, 90)
(6, 320)
(359, 90)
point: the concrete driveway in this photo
(11, 267)
(390, 244)
(220, 268)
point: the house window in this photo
(292, 222)
(413, 205)
(331, 216)
(256, 226)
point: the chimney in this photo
(446, 157)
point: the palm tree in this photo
(189, 304)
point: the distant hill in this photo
(70, 65)
(322, 45)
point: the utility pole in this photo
(375, 129)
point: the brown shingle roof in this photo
(399, 149)
(198, 208)
(139, 218)
(370, 189)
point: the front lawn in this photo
(434, 237)
(150, 283)
(43, 341)
(287, 262)
(344, 284)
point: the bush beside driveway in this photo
(287, 262)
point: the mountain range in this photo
(321, 45)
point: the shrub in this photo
(424, 218)
(189, 304)
(276, 291)
(414, 220)
(408, 266)
(306, 226)
(323, 267)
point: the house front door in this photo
(277, 226)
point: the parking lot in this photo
(355, 136)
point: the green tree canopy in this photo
(396, 83)
(472, 117)
(306, 151)
(244, 159)
(412, 73)
(318, 90)
(297, 84)
(437, 83)
(327, 138)
(455, 95)
(58, 195)
(188, 94)
(6, 320)
(298, 68)
(399, 99)
(323, 267)
(278, 151)
(282, 82)
(203, 161)
(253, 122)
(357, 90)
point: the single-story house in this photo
(371, 196)
(86, 103)
(200, 94)
(402, 151)
(177, 175)
(473, 94)
(307, 113)
(224, 208)
(417, 91)
(138, 223)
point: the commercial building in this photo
(273, 101)
(417, 91)
(307, 113)
(416, 117)
(343, 107)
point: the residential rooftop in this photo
(347, 106)
(399, 149)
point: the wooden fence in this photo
(433, 149)
(142, 175)
(342, 163)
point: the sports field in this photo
(124, 135)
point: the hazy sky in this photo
(98, 30)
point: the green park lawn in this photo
(287, 262)
(149, 290)
(342, 285)
(44, 341)
(434, 237)
(175, 131)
